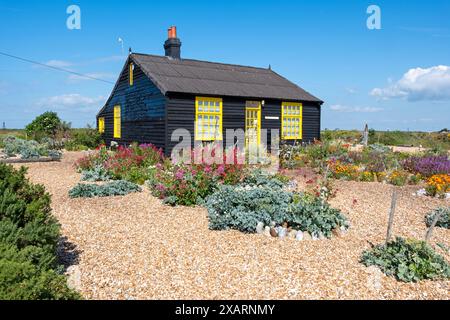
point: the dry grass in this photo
(134, 247)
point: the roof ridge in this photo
(205, 61)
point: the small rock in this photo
(306, 236)
(282, 232)
(337, 232)
(314, 237)
(285, 225)
(273, 232)
(321, 236)
(267, 231)
(299, 236)
(292, 234)
(260, 228)
(272, 224)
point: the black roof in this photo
(218, 79)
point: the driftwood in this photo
(433, 224)
(391, 215)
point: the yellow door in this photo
(252, 124)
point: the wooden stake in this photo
(391, 215)
(433, 224)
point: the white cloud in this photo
(74, 101)
(90, 76)
(431, 84)
(58, 63)
(342, 108)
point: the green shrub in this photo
(27, 149)
(98, 173)
(83, 139)
(45, 125)
(242, 207)
(444, 219)
(114, 188)
(28, 241)
(407, 260)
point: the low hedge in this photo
(29, 236)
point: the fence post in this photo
(391, 215)
(433, 224)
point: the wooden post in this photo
(391, 215)
(366, 136)
(433, 224)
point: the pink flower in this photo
(179, 174)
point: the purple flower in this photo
(428, 166)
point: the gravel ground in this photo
(134, 247)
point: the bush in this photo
(242, 207)
(98, 173)
(27, 149)
(407, 260)
(28, 241)
(190, 184)
(114, 188)
(83, 139)
(45, 125)
(444, 220)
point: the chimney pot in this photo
(172, 45)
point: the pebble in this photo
(260, 228)
(306, 236)
(282, 232)
(299, 236)
(267, 231)
(292, 234)
(273, 232)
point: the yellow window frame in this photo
(131, 73)
(208, 119)
(291, 121)
(117, 122)
(101, 125)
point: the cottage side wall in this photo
(143, 111)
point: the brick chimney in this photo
(172, 46)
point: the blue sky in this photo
(394, 78)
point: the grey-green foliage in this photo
(98, 173)
(114, 188)
(444, 219)
(242, 207)
(27, 149)
(407, 260)
(259, 177)
(315, 216)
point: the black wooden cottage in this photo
(156, 95)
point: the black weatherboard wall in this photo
(142, 111)
(181, 114)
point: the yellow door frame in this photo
(252, 108)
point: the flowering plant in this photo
(438, 185)
(428, 166)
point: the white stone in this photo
(267, 231)
(260, 228)
(299, 236)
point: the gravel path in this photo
(134, 247)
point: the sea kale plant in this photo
(407, 260)
(114, 188)
(444, 219)
(243, 206)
